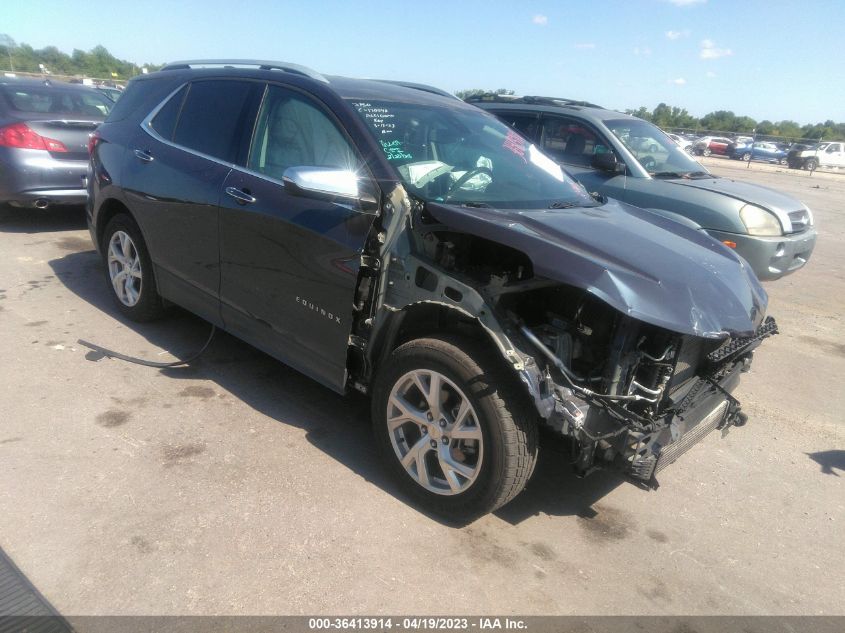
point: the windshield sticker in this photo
(394, 150)
(380, 119)
(515, 143)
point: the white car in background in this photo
(680, 141)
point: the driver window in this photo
(293, 132)
(569, 141)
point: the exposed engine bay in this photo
(626, 392)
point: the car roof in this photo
(344, 87)
(557, 105)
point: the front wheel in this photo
(812, 164)
(453, 426)
(129, 270)
(706, 151)
(746, 156)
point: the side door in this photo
(573, 143)
(289, 263)
(173, 177)
(834, 156)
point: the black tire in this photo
(149, 305)
(505, 414)
(706, 151)
(812, 164)
(746, 156)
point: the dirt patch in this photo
(606, 524)
(113, 417)
(11, 440)
(181, 453)
(36, 323)
(75, 244)
(480, 546)
(657, 535)
(655, 590)
(197, 392)
(141, 544)
(543, 551)
(829, 347)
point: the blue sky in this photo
(773, 59)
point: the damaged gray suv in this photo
(393, 240)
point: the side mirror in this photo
(607, 162)
(327, 183)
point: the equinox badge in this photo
(321, 311)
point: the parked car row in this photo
(763, 150)
(829, 155)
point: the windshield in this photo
(655, 151)
(465, 156)
(55, 100)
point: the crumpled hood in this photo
(747, 192)
(645, 266)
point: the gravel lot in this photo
(237, 486)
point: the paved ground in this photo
(237, 486)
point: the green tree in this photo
(475, 92)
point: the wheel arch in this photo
(107, 211)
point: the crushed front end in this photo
(631, 395)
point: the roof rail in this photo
(423, 87)
(296, 69)
(528, 99)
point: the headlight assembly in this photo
(758, 221)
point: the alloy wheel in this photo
(435, 432)
(124, 264)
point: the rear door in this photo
(173, 178)
(289, 264)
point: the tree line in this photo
(97, 62)
(670, 117)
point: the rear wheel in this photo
(453, 426)
(812, 164)
(706, 151)
(746, 156)
(129, 270)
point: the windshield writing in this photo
(464, 156)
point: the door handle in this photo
(144, 155)
(242, 196)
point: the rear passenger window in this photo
(213, 116)
(165, 121)
(525, 124)
(569, 141)
(293, 132)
